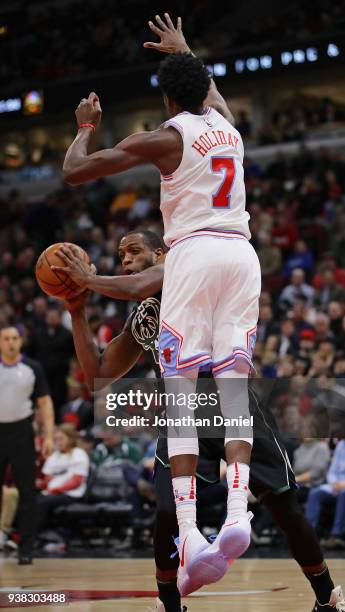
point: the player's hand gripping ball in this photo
(56, 282)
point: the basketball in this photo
(54, 282)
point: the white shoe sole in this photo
(234, 541)
(205, 568)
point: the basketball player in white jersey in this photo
(212, 276)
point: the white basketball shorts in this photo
(210, 303)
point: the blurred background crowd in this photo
(291, 115)
(76, 47)
(298, 229)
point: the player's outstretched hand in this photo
(75, 266)
(172, 39)
(89, 110)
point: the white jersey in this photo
(207, 190)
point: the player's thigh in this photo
(235, 318)
(190, 289)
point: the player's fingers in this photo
(66, 269)
(169, 22)
(67, 251)
(161, 23)
(62, 256)
(74, 250)
(179, 24)
(92, 96)
(152, 45)
(93, 269)
(154, 29)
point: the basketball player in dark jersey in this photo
(272, 480)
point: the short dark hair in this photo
(152, 240)
(184, 79)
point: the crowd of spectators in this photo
(292, 120)
(298, 230)
(112, 38)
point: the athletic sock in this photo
(185, 499)
(322, 585)
(238, 480)
(169, 596)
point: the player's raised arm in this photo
(132, 287)
(137, 149)
(172, 40)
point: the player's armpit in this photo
(119, 357)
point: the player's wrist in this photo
(183, 48)
(87, 125)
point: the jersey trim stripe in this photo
(224, 234)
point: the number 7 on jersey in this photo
(225, 166)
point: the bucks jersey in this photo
(143, 325)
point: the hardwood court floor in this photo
(92, 575)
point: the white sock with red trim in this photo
(238, 480)
(185, 499)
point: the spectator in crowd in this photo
(302, 258)
(322, 328)
(336, 312)
(297, 288)
(267, 326)
(53, 347)
(330, 290)
(116, 447)
(332, 491)
(66, 472)
(310, 459)
(288, 340)
(269, 256)
(243, 124)
(78, 411)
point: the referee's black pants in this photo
(17, 449)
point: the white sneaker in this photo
(336, 602)
(231, 542)
(337, 599)
(194, 572)
(158, 607)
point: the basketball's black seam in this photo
(54, 271)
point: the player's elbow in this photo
(70, 177)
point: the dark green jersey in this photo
(143, 325)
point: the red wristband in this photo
(87, 125)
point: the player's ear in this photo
(157, 256)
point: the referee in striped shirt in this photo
(22, 386)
